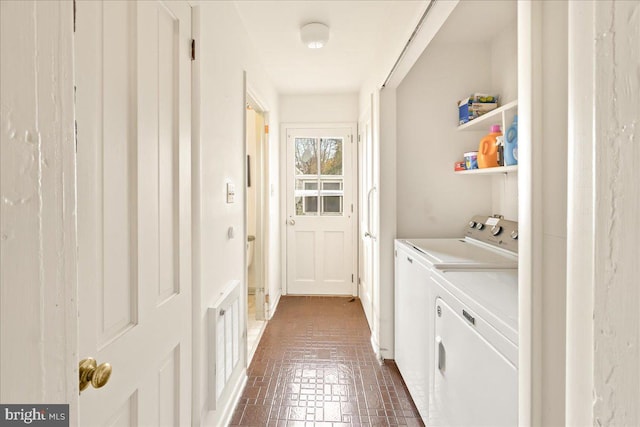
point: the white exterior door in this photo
(320, 188)
(134, 195)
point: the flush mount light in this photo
(314, 35)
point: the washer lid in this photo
(461, 254)
(493, 295)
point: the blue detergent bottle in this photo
(511, 144)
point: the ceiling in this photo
(365, 37)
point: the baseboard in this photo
(255, 346)
(274, 305)
(227, 413)
(365, 301)
(376, 349)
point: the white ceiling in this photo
(365, 37)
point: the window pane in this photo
(307, 205)
(331, 205)
(306, 156)
(306, 184)
(331, 156)
(331, 185)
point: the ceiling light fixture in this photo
(314, 35)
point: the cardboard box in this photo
(474, 106)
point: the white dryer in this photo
(475, 367)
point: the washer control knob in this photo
(514, 234)
(472, 224)
(496, 229)
(479, 226)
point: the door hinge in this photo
(359, 282)
(351, 207)
(351, 137)
(352, 278)
(266, 128)
(358, 138)
(74, 16)
(193, 49)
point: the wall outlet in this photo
(231, 192)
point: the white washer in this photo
(458, 277)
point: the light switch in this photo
(231, 192)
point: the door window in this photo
(319, 179)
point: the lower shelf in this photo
(489, 171)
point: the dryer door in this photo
(474, 384)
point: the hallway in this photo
(315, 365)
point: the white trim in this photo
(227, 413)
(196, 220)
(580, 216)
(253, 99)
(376, 348)
(274, 306)
(530, 212)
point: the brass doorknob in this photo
(92, 373)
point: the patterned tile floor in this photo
(315, 367)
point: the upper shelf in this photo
(492, 117)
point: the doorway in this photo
(320, 186)
(256, 133)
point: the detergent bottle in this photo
(488, 151)
(511, 144)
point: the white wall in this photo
(504, 81)
(38, 312)
(431, 200)
(616, 315)
(332, 108)
(603, 301)
(224, 53)
(504, 64)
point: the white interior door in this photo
(367, 214)
(320, 188)
(133, 113)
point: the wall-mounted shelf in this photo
(494, 117)
(489, 171)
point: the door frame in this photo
(285, 127)
(253, 99)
